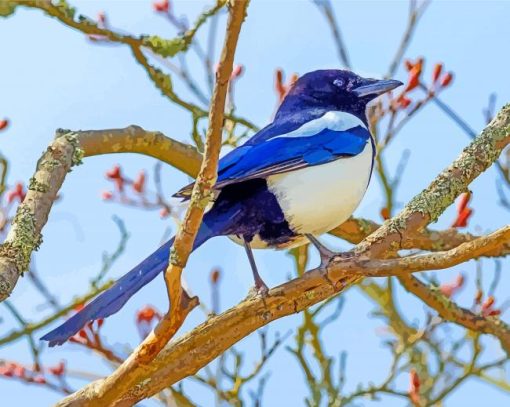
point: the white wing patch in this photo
(333, 120)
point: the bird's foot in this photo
(325, 254)
(260, 288)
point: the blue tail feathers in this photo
(112, 300)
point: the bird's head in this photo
(334, 89)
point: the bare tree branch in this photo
(67, 150)
(134, 368)
(197, 348)
(25, 234)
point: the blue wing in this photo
(283, 154)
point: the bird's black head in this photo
(334, 89)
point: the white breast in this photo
(319, 198)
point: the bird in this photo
(297, 178)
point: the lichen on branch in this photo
(25, 234)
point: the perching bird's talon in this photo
(325, 254)
(262, 289)
(257, 290)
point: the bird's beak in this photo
(376, 87)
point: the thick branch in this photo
(204, 343)
(25, 234)
(427, 206)
(354, 230)
(436, 261)
(134, 139)
(134, 368)
(66, 150)
(186, 158)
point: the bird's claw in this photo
(325, 255)
(258, 289)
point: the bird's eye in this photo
(339, 83)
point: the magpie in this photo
(297, 178)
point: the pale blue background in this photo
(51, 76)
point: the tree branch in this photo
(32, 214)
(67, 150)
(134, 139)
(133, 369)
(354, 230)
(159, 46)
(437, 261)
(427, 206)
(450, 311)
(197, 348)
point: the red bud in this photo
(58, 370)
(489, 302)
(437, 71)
(139, 183)
(162, 6)
(19, 371)
(114, 173)
(237, 71)
(446, 79)
(404, 101)
(494, 313)
(3, 124)
(106, 195)
(463, 201)
(215, 276)
(463, 211)
(478, 297)
(18, 192)
(449, 289)
(164, 212)
(414, 387)
(147, 314)
(414, 79)
(385, 213)
(39, 380)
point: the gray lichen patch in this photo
(72, 138)
(50, 164)
(38, 186)
(78, 152)
(26, 239)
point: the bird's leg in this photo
(324, 252)
(260, 286)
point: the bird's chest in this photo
(317, 199)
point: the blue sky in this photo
(52, 77)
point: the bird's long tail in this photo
(112, 300)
